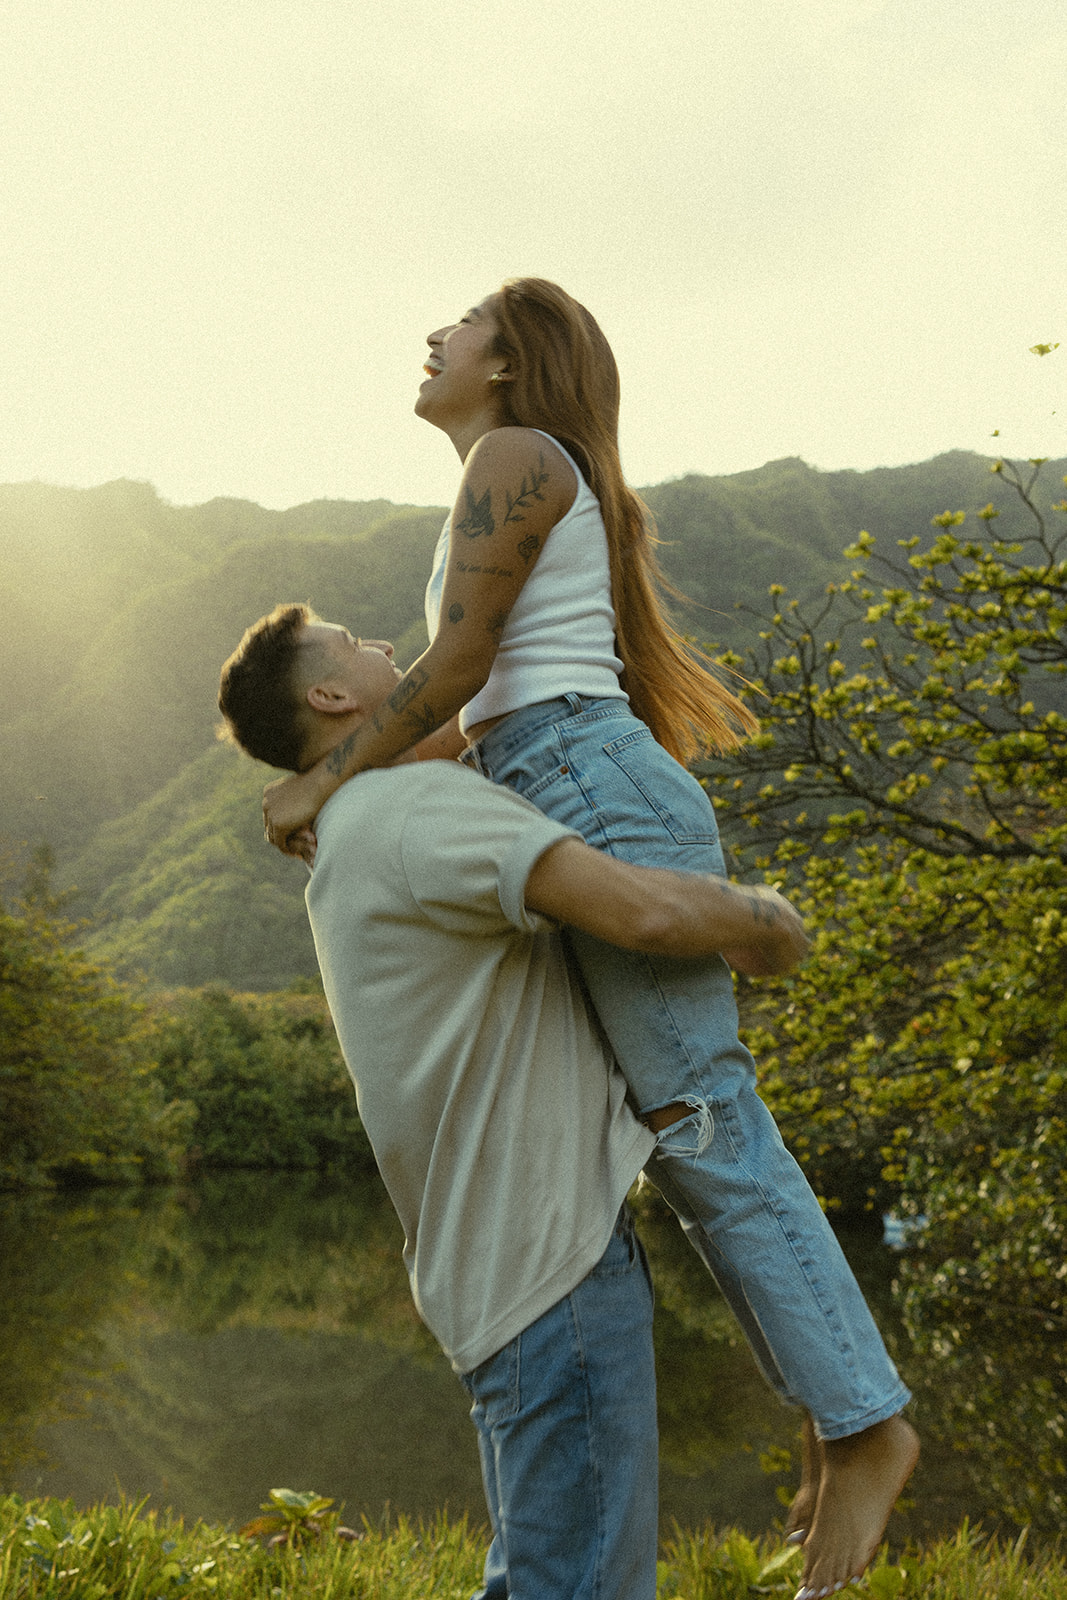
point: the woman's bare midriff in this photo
(480, 729)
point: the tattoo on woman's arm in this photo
(423, 719)
(530, 489)
(479, 518)
(335, 760)
(408, 687)
(487, 572)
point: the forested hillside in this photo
(120, 609)
(126, 696)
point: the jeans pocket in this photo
(672, 793)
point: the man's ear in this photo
(332, 698)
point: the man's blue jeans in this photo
(743, 1201)
(566, 1420)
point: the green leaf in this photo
(788, 1556)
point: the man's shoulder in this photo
(452, 783)
(436, 835)
(439, 795)
(416, 782)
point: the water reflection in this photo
(64, 1270)
(203, 1347)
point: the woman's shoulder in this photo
(512, 442)
(528, 455)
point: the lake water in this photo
(203, 1346)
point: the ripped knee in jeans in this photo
(665, 1117)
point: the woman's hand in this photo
(290, 806)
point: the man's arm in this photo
(666, 913)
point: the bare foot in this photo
(802, 1507)
(862, 1477)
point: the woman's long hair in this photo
(564, 381)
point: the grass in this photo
(126, 1552)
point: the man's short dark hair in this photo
(259, 693)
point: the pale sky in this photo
(822, 228)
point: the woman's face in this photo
(460, 368)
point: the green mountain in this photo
(121, 608)
(183, 890)
(135, 696)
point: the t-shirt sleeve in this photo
(468, 850)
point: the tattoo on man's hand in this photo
(456, 613)
(764, 910)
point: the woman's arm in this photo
(447, 744)
(516, 486)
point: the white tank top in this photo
(560, 636)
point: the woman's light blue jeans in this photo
(744, 1203)
(566, 1420)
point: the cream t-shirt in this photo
(497, 1115)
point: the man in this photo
(497, 1116)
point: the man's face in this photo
(364, 667)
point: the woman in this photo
(553, 669)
